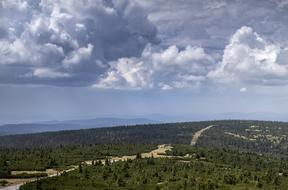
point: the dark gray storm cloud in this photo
(61, 42)
(211, 23)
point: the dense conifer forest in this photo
(203, 169)
(233, 154)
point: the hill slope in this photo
(252, 136)
(201, 169)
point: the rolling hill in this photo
(263, 137)
(208, 155)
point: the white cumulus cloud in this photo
(251, 59)
(68, 38)
(244, 89)
(48, 73)
(166, 69)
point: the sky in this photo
(138, 58)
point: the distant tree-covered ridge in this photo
(176, 133)
(264, 137)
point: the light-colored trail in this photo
(14, 184)
(196, 136)
(160, 152)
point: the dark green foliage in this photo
(247, 161)
(230, 179)
(26, 175)
(152, 134)
(189, 173)
(267, 137)
(4, 172)
(4, 166)
(80, 168)
(229, 162)
(3, 182)
(263, 137)
(138, 156)
(44, 158)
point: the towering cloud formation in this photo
(63, 42)
(251, 59)
(248, 59)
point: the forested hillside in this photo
(253, 136)
(175, 133)
(230, 154)
(62, 157)
(200, 169)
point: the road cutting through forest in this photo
(14, 184)
(198, 134)
(160, 152)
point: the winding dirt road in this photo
(196, 136)
(16, 183)
(160, 152)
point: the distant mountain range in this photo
(265, 116)
(27, 128)
(47, 126)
